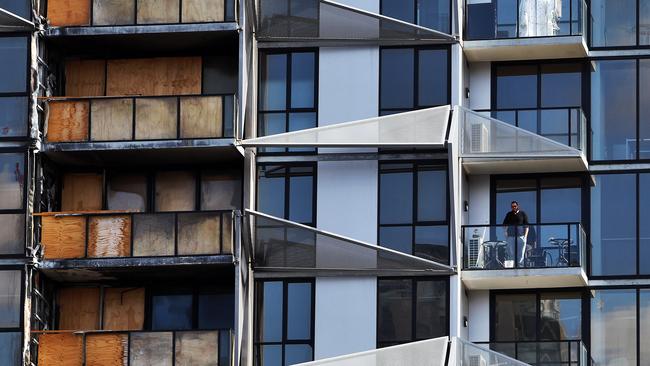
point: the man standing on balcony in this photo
(516, 230)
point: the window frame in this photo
(590, 26)
(415, 14)
(23, 209)
(27, 91)
(21, 325)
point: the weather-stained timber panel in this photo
(197, 348)
(67, 121)
(113, 12)
(155, 118)
(153, 235)
(85, 78)
(158, 11)
(151, 349)
(226, 234)
(106, 349)
(63, 13)
(81, 192)
(111, 119)
(175, 191)
(198, 233)
(201, 117)
(109, 236)
(63, 237)
(60, 349)
(78, 308)
(197, 11)
(124, 308)
(154, 76)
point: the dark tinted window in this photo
(171, 312)
(561, 85)
(13, 52)
(18, 7)
(432, 84)
(613, 23)
(13, 122)
(287, 192)
(397, 78)
(220, 74)
(432, 14)
(613, 322)
(216, 311)
(517, 87)
(515, 317)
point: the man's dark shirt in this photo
(516, 222)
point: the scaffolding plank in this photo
(60, 349)
(113, 12)
(197, 349)
(124, 308)
(175, 191)
(109, 236)
(79, 308)
(111, 119)
(63, 237)
(62, 13)
(196, 11)
(85, 78)
(81, 192)
(155, 118)
(198, 233)
(154, 76)
(153, 235)
(148, 349)
(67, 121)
(158, 11)
(201, 117)
(106, 349)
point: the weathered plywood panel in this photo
(106, 349)
(198, 233)
(85, 78)
(111, 119)
(201, 117)
(109, 236)
(113, 12)
(153, 235)
(154, 76)
(81, 192)
(197, 11)
(175, 191)
(151, 349)
(60, 349)
(226, 234)
(197, 349)
(63, 237)
(158, 11)
(155, 118)
(68, 12)
(78, 308)
(67, 121)
(124, 309)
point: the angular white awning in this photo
(421, 128)
(10, 22)
(325, 22)
(287, 248)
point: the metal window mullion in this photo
(414, 201)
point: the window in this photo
(614, 326)
(12, 215)
(14, 96)
(422, 80)
(11, 283)
(434, 14)
(191, 309)
(284, 322)
(288, 94)
(614, 23)
(413, 209)
(287, 191)
(620, 245)
(21, 8)
(410, 309)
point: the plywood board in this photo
(81, 192)
(175, 191)
(63, 237)
(78, 308)
(109, 236)
(158, 11)
(67, 121)
(151, 349)
(197, 11)
(60, 349)
(85, 78)
(226, 234)
(201, 117)
(113, 12)
(154, 76)
(197, 348)
(153, 235)
(111, 119)
(106, 349)
(198, 233)
(62, 13)
(155, 118)
(124, 308)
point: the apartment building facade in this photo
(276, 182)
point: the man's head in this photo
(514, 206)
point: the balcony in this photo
(500, 30)
(494, 256)
(560, 353)
(210, 347)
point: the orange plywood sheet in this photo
(67, 121)
(79, 308)
(109, 236)
(81, 192)
(124, 308)
(85, 78)
(60, 349)
(154, 76)
(106, 349)
(62, 13)
(63, 237)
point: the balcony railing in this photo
(508, 19)
(210, 347)
(497, 247)
(544, 353)
(111, 119)
(111, 234)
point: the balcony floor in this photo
(524, 278)
(537, 48)
(516, 165)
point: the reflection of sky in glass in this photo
(613, 327)
(12, 176)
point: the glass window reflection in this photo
(613, 327)
(13, 52)
(613, 23)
